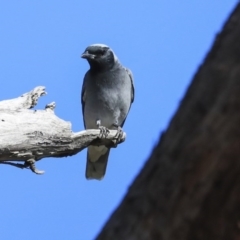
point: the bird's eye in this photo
(101, 52)
(98, 52)
(105, 50)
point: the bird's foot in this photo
(31, 164)
(118, 135)
(103, 132)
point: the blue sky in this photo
(162, 42)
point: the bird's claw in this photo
(31, 164)
(103, 132)
(118, 135)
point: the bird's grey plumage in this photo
(107, 94)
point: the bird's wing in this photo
(83, 97)
(129, 72)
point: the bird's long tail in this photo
(97, 159)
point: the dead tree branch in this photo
(30, 135)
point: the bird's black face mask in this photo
(99, 58)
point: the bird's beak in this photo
(87, 55)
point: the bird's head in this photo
(100, 57)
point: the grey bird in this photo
(107, 95)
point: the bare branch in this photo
(26, 101)
(27, 135)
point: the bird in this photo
(106, 97)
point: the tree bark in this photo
(31, 135)
(189, 189)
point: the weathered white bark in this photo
(30, 135)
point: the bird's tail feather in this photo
(97, 159)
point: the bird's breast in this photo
(107, 101)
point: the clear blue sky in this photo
(162, 42)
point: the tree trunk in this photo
(189, 189)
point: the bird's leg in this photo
(119, 133)
(31, 164)
(103, 130)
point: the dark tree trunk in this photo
(189, 189)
